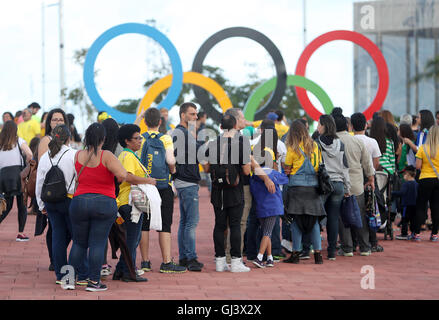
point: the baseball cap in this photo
(271, 116)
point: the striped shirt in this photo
(387, 160)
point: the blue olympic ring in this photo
(90, 60)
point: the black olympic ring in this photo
(281, 83)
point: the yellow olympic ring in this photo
(194, 78)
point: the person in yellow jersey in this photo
(427, 160)
(130, 139)
(303, 201)
(157, 155)
(29, 128)
(279, 122)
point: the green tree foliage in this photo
(431, 70)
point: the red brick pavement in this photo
(405, 270)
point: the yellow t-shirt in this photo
(28, 130)
(426, 169)
(133, 166)
(280, 128)
(296, 160)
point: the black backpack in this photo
(224, 175)
(54, 185)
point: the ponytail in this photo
(60, 135)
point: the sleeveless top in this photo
(98, 180)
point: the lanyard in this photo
(129, 150)
(137, 157)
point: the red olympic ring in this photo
(366, 44)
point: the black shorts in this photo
(167, 209)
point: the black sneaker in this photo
(304, 255)
(182, 262)
(377, 248)
(51, 267)
(258, 263)
(127, 278)
(95, 286)
(194, 265)
(331, 256)
(402, 237)
(171, 267)
(145, 266)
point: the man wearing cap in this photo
(35, 107)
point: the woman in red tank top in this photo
(93, 208)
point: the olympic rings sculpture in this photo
(202, 83)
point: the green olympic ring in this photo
(264, 89)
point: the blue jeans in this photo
(254, 235)
(133, 234)
(296, 235)
(92, 216)
(59, 218)
(189, 216)
(333, 208)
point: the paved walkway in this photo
(405, 270)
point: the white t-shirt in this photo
(11, 157)
(371, 145)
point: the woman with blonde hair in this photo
(303, 201)
(427, 160)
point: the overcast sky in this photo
(187, 23)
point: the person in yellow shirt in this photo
(130, 139)
(427, 160)
(159, 160)
(279, 119)
(29, 128)
(303, 202)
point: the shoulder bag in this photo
(325, 185)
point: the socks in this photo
(260, 256)
(270, 257)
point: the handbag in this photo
(28, 180)
(372, 211)
(350, 213)
(325, 185)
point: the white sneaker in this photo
(139, 272)
(238, 266)
(221, 264)
(366, 253)
(287, 245)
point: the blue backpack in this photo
(153, 157)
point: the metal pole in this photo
(43, 60)
(61, 54)
(304, 24)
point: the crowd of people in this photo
(117, 183)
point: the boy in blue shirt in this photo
(408, 194)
